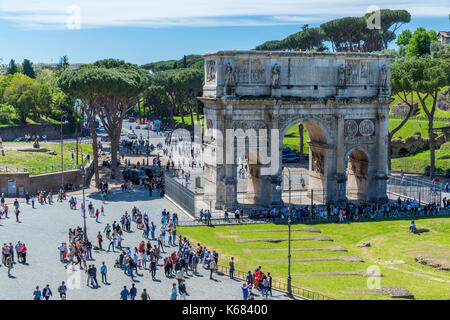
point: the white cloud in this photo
(157, 13)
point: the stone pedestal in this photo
(381, 179)
(341, 197)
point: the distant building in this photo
(444, 37)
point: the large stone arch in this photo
(340, 110)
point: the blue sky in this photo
(143, 31)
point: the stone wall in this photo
(53, 131)
(24, 183)
(52, 181)
(415, 143)
(21, 180)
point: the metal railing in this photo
(415, 188)
(278, 285)
(424, 118)
(184, 197)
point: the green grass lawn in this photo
(439, 113)
(187, 120)
(16, 122)
(412, 126)
(390, 240)
(40, 163)
(419, 161)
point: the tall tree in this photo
(12, 67)
(27, 69)
(21, 93)
(419, 44)
(390, 22)
(404, 37)
(425, 77)
(402, 88)
(114, 87)
(63, 62)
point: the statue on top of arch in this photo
(276, 70)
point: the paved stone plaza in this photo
(44, 228)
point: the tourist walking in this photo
(47, 292)
(231, 263)
(103, 271)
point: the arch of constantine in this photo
(342, 99)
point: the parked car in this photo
(132, 136)
(289, 158)
(19, 139)
(131, 119)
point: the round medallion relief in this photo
(366, 127)
(350, 128)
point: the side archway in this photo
(357, 172)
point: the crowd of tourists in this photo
(8, 255)
(351, 211)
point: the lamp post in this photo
(77, 111)
(148, 140)
(83, 186)
(63, 115)
(289, 279)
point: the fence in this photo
(392, 116)
(184, 197)
(279, 285)
(415, 188)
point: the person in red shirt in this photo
(23, 250)
(100, 240)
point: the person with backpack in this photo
(145, 295)
(8, 264)
(62, 289)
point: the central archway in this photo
(308, 177)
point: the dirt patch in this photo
(352, 259)
(343, 258)
(318, 238)
(301, 260)
(440, 264)
(365, 291)
(307, 229)
(337, 248)
(222, 235)
(394, 292)
(351, 273)
(398, 292)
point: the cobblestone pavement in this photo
(44, 228)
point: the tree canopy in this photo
(420, 42)
(344, 34)
(27, 69)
